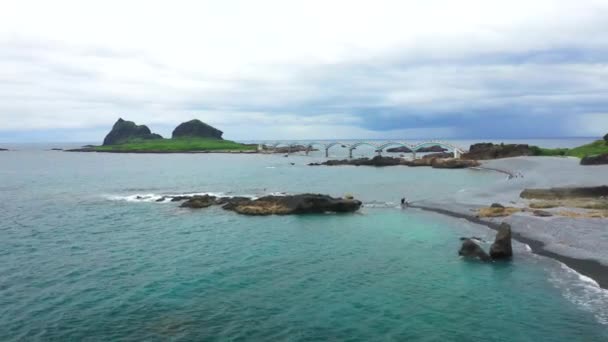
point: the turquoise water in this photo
(81, 259)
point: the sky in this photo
(313, 69)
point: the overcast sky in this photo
(290, 69)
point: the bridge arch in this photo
(335, 143)
(310, 145)
(361, 143)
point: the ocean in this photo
(86, 253)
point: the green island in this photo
(175, 145)
(193, 136)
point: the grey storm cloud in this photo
(439, 70)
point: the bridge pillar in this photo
(457, 153)
(413, 155)
(350, 153)
(327, 152)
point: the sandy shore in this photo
(580, 243)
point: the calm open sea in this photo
(82, 259)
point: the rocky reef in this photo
(601, 159)
(485, 151)
(404, 149)
(123, 131)
(196, 129)
(500, 249)
(272, 205)
(381, 161)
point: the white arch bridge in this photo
(378, 146)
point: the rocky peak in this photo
(123, 131)
(196, 129)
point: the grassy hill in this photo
(594, 148)
(176, 145)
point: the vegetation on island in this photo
(191, 136)
(175, 145)
(594, 148)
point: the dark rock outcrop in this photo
(496, 205)
(400, 149)
(381, 161)
(196, 129)
(292, 149)
(452, 163)
(405, 149)
(3, 149)
(123, 131)
(439, 155)
(606, 138)
(296, 204)
(501, 248)
(601, 159)
(541, 213)
(198, 202)
(470, 249)
(274, 205)
(484, 151)
(565, 193)
(375, 161)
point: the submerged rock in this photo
(501, 248)
(123, 131)
(196, 129)
(601, 159)
(470, 249)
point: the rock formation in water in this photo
(501, 248)
(541, 213)
(452, 163)
(196, 129)
(380, 161)
(400, 149)
(484, 151)
(123, 131)
(439, 155)
(273, 205)
(601, 159)
(3, 149)
(565, 193)
(405, 149)
(470, 249)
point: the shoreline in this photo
(587, 267)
